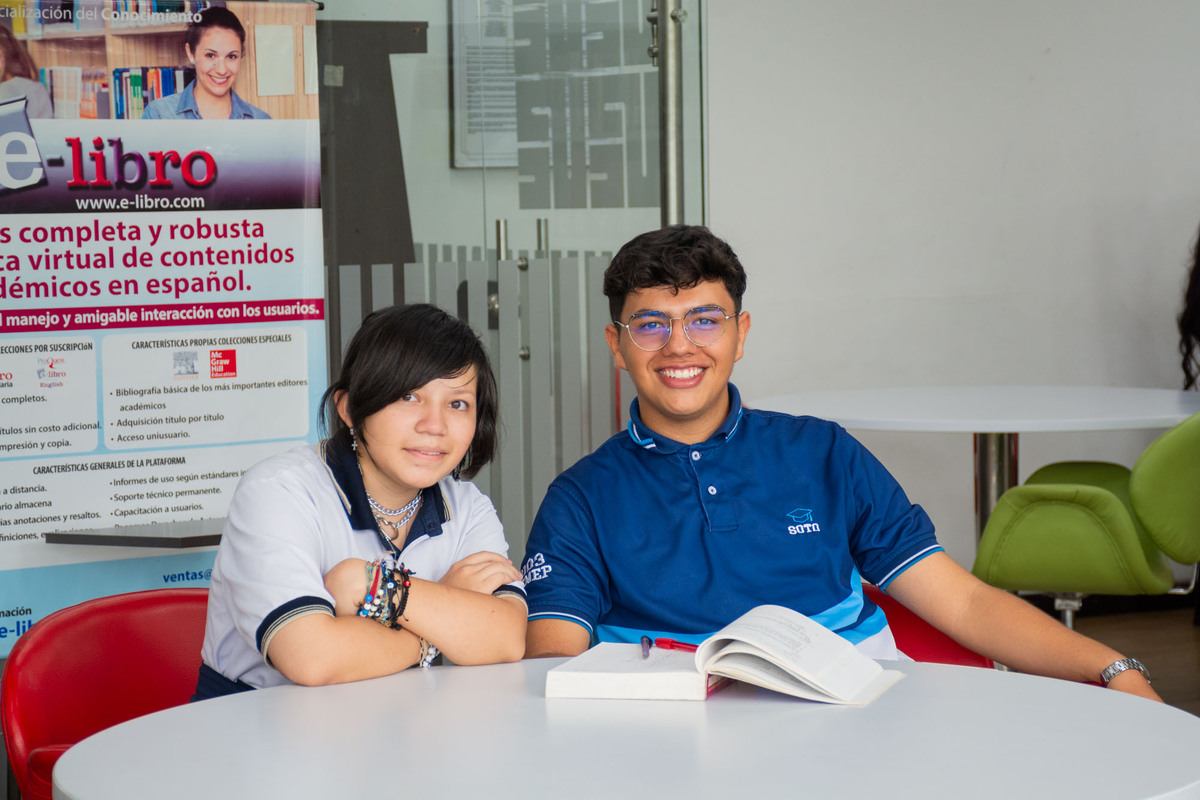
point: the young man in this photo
(703, 509)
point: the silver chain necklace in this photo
(380, 508)
(405, 512)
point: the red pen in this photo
(674, 644)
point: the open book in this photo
(769, 646)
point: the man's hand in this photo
(481, 572)
(1005, 628)
(1133, 682)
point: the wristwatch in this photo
(1120, 665)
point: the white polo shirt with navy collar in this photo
(292, 518)
(650, 536)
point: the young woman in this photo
(214, 44)
(368, 553)
(19, 77)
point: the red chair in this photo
(920, 640)
(88, 667)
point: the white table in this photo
(488, 732)
(994, 415)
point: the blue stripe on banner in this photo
(27, 595)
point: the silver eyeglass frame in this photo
(671, 326)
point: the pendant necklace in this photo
(405, 512)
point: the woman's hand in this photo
(481, 572)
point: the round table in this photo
(461, 732)
(994, 415)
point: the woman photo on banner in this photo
(371, 552)
(19, 77)
(215, 46)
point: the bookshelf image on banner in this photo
(162, 317)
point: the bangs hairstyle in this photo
(400, 349)
(213, 17)
(680, 257)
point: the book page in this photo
(755, 669)
(805, 649)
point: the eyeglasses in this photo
(703, 326)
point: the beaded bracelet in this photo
(388, 586)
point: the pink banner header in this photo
(46, 320)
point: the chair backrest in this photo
(1164, 488)
(90, 666)
(920, 640)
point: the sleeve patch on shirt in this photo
(535, 568)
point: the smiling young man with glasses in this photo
(702, 509)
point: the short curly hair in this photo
(679, 256)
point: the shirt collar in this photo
(343, 467)
(238, 108)
(644, 437)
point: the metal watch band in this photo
(1120, 665)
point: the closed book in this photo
(617, 671)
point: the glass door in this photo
(490, 156)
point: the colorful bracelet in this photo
(386, 597)
(402, 576)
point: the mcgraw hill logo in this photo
(20, 160)
(802, 521)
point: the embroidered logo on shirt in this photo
(802, 522)
(535, 568)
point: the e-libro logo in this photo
(20, 160)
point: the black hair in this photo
(680, 257)
(213, 17)
(1189, 324)
(400, 349)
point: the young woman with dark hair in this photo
(215, 45)
(369, 553)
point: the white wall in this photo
(930, 193)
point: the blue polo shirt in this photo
(648, 535)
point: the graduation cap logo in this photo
(800, 516)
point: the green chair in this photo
(1079, 528)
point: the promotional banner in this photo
(161, 279)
